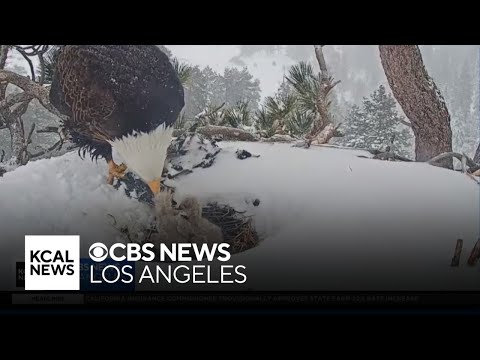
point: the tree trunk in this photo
(420, 100)
(325, 135)
(324, 117)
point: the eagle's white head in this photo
(145, 153)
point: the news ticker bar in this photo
(145, 298)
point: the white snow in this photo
(328, 219)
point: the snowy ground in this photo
(329, 220)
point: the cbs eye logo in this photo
(98, 252)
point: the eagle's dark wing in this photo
(110, 91)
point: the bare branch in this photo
(447, 155)
(331, 86)
(475, 254)
(39, 92)
(2, 156)
(458, 252)
(33, 50)
(321, 61)
(29, 138)
(15, 99)
(217, 109)
(48, 129)
(203, 115)
(406, 123)
(42, 69)
(27, 59)
(21, 109)
(55, 146)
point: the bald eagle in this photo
(122, 97)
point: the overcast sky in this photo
(267, 68)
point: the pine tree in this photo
(284, 91)
(464, 123)
(195, 97)
(214, 93)
(374, 124)
(239, 86)
(208, 89)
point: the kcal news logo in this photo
(52, 262)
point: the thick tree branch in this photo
(15, 99)
(27, 85)
(321, 62)
(39, 92)
(323, 120)
(227, 133)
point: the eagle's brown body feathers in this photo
(111, 91)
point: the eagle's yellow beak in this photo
(154, 186)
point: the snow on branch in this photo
(227, 133)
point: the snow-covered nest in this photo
(329, 220)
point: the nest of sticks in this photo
(237, 229)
